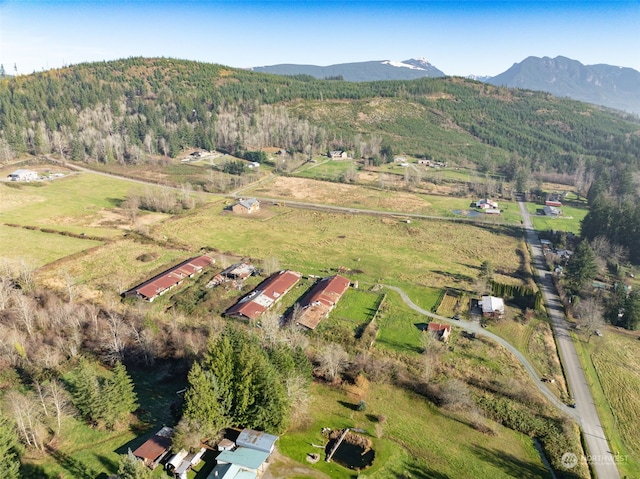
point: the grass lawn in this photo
(569, 221)
(416, 438)
(612, 366)
(327, 169)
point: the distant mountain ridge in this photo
(360, 71)
(605, 85)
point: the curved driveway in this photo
(480, 331)
(601, 459)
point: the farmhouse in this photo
(486, 204)
(265, 295)
(246, 206)
(23, 175)
(247, 458)
(160, 284)
(441, 331)
(492, 307)
(154, 449)
(552, 211)
(320, 300)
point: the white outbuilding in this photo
(23, 175)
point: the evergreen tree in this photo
(86, 393)
(631, 311)
(9, 450)
(130, 467)
(202, 401)
(582, 268)
(118, 396)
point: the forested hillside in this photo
(128, 110)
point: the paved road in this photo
(597, 447)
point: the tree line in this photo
(129, 111)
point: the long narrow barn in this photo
(265, 295)
(169, 279)
(320, 300)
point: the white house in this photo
(23, 175)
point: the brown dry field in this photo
(337, 194)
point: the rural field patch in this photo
(38, 248)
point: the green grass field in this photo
(611, 365)
(427, 253)
(534, 340)
(79, 203)
(569, 221)
(38, 248)
(416, 438)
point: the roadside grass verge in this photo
(414, 436)
(611, 365)
(534, 339)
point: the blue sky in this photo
(459, 37)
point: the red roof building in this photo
(265, 295)
(442, 331)
(320, 300)
(152, 451)
(167, 280)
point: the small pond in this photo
(467, 213)
(353, 453)
(353, 457)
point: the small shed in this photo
(23, 175)
(154, 449)
(226, 445)
(442, 331)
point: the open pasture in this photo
(376, 249)
(611, 367)
(78, 203)
(375, 198)
(38, 248)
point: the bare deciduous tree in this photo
(270, 265)
(589, 314)
(333, 359)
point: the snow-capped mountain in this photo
(360, 71)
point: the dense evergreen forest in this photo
(127, 110)
(138, 110)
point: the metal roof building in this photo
(258, 440)
(170, 278)
(265, 295)
(321, 299)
